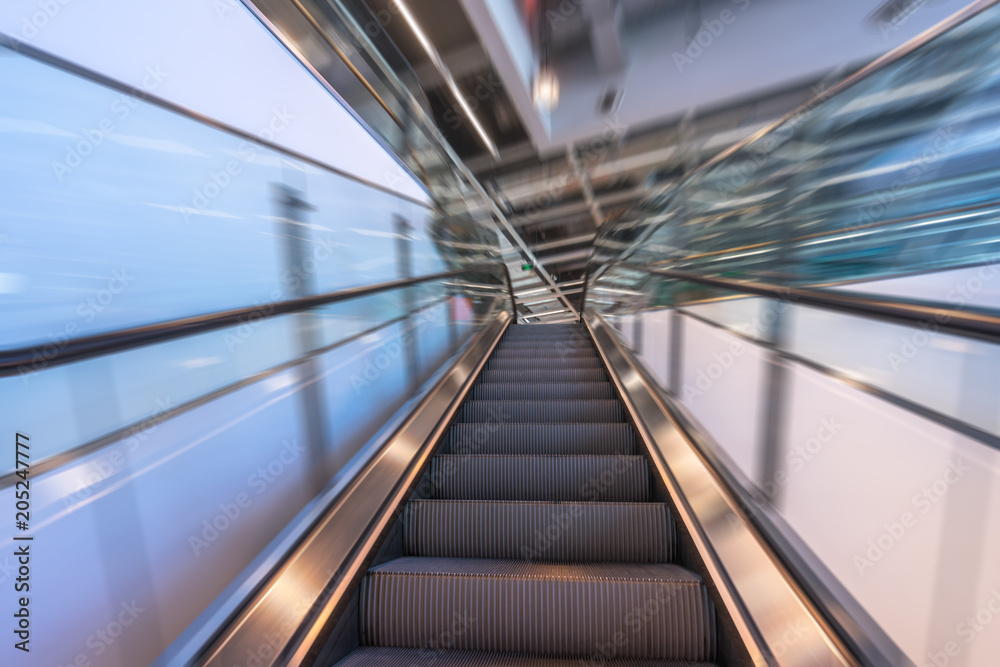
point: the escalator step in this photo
(540, 531)
(535, 328)
(545, 390)
(551, 478)
(575, 342)
(559, 610)
(542, 411)
(513, 439)
(436, 654)
(547, 353)
(514, 363)
(548, 375)
(554, 337)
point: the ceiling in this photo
(649, 89)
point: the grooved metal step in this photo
(539, 531)
(557, 353)
(564, 610)
(546, 375)
(553, 390)
(513, 439)
(571, 478)
(549, 341)
(541, 411)
(516, 363)
(534, 541)
(436, 655)
(575, 335)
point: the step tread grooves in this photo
(432, 656)
(532, 539)
(543, 531)
(614, 478)
(537, 608)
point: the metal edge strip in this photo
(762, 598)
(868, 640)
(315, 581)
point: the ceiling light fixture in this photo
(446, 74)
(546, 92)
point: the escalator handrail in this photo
(49, 354)
(960, 321)
(971, 10)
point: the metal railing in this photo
(13, 361)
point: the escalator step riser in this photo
(545, 354)
(381, 656)
(555, 343)
(541, 411)
(519, 363)
(548, 390)
(540, 439)
(558, 326)
(546, 341)
(542, 616)
(543, 333)
(577, 532)
(548, 375)
(568, 336)
(548, 478)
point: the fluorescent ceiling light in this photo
(449, 79)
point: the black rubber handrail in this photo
(47, 355)
(966, 322)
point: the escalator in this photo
(537, 535)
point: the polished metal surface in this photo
(285, 619)
(12, 361)
(774, 618)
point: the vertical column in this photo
(408, 296)
(676, 353)
(774, 396)
(292, 216)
